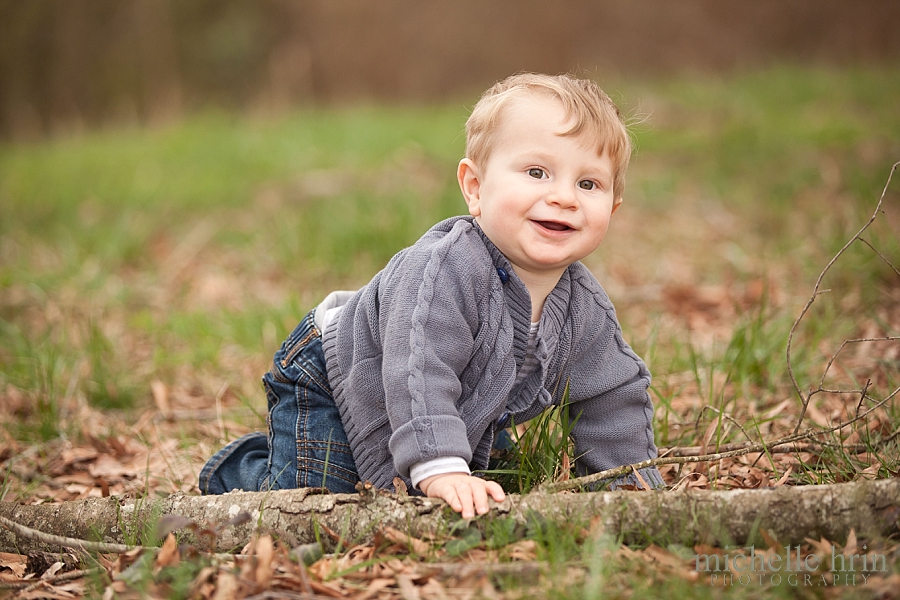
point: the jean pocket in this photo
(292, 348)
(301, 358)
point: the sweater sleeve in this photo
(608, 386)
(429, 325)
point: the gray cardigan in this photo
(422, 361)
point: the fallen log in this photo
(735, 517)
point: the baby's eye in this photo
(587, 184)
(536, 173)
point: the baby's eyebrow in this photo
(602, 174)
(535, 154)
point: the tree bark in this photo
(735, 517)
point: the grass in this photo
(184, 255)
(540, 452)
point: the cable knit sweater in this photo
(423, 361)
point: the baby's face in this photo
(544, 199)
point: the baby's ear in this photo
(469, 178)
(616, 205)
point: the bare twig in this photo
(29, 585)
(804, 399)
(65, 542)
(881, 256)
(794, 447)
(667, 460)
(844, 343)
(724, 415)
(810, 447)
(219, 419)
(680, 460)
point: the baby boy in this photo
(484, 321)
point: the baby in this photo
(483, 322)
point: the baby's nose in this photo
(562, 195)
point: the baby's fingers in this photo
(495, 491)
(485, 489)
(467, 499)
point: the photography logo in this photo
(746, 567)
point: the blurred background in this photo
(73, 65)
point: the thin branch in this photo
(881, 256)
(30, 585)
(726, 416)
(65, 542)
(804, 400)
(680, 460)
(863, 394)
(811, 447)
(844, 343)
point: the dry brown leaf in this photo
(476, 555)
(434, 589)
(168, 555)
(111, 468)
(403, 539)
(662, 556)
(705, 442)
(396, 565)
(486, 589)
(16, 563)
(161, 398)
(707, 549)
(204, 585)
(565, 468)
(693, 481)
(246, 563)
(850, 547)
(265, 551)
(682, 483)
(823, 546)
(53, 570)
(79, 478)
(329, 588)
(375, 586)
(818, 417)
(644, 485)
(227, 587)
(771, 542)
(784, 476)
(334, 535)
(354, 556)
(408, 589)
(322, 568)
(525, 550)
(870, 472)
(64, 591)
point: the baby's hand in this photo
(465, 494)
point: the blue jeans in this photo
(306, 445)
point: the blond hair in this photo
(593, 112)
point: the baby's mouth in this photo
(553, 225)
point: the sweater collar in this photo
(553, 317)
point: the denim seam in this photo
(301, 395)
(297, 348)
